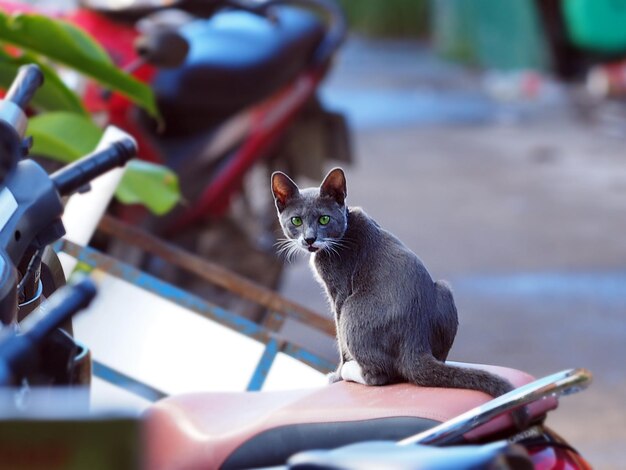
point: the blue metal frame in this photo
(96, 260)
(115, 377)
(272, 348)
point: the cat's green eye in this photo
(324, 219)
(297, 221)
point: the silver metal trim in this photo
(35, 297)
(8, 206)
(562, 383)
(13, 114)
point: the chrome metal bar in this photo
(562, 383)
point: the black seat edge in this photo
(275, 446)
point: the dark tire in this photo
(53, 278)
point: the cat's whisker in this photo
(284, 252)
(284, 248)
(293, 253)
(332, 247)
(282, 242)
(283, 245)
(287, 248)
(345, 242)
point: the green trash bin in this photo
(596, 25)
(451, 29)
(497, 34)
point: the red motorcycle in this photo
(237, 88)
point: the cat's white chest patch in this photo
(316, 273)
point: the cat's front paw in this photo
(333, 377)
(351, 372)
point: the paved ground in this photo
(521, 206)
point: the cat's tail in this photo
(433, 373)
(430, 372)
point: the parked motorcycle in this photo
(30, 214)
(237, 87)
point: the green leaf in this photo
(154, 186)
(54, 95)
(66, 137)
(63, 136)
(69, 45)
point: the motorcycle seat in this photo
(248, 429)
(235, 59)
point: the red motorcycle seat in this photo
(235, 59)
(246, 429)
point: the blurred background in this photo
(485, 138)
(488, 136)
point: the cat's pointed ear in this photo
(334, 186)
(283, 189)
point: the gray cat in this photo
(394, 324)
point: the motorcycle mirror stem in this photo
(13, 120)
(161, 47)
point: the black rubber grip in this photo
(29, 78)
(63, 305)
(72, 177)
(19, 352)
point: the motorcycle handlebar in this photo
(18, 352)
(29, 78)
(71, 178)
(60, 307)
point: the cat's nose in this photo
(310, 240)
